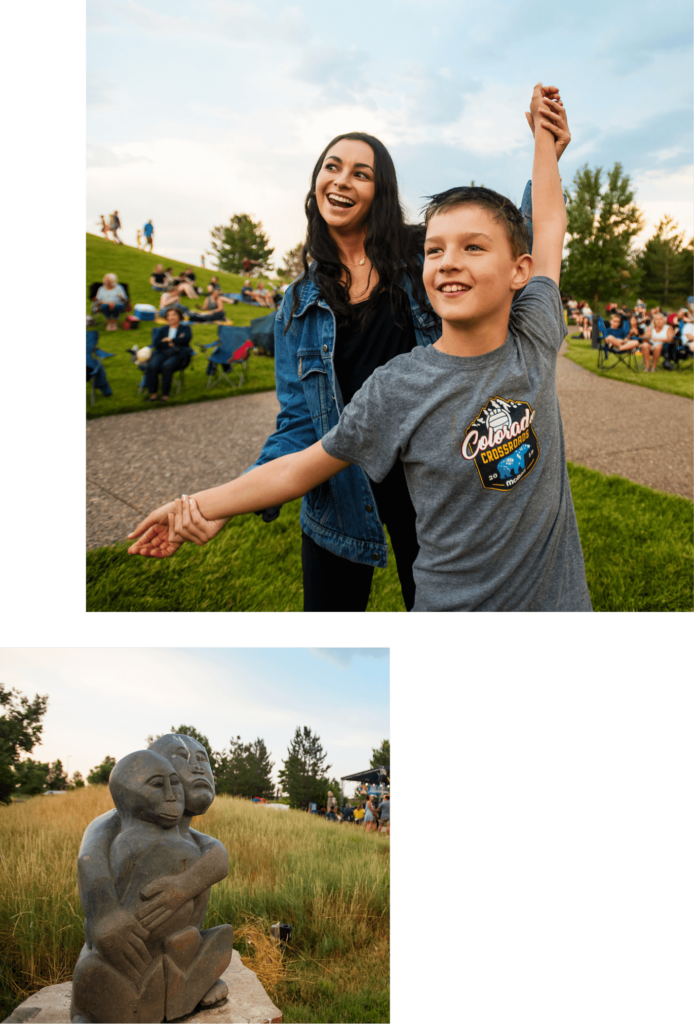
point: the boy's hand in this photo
(188, 523)
(546, 104)
(153, 533)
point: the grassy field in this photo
(330, 882)
(672, 382)
(134, 267)
(637, 545)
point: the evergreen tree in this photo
(293, 264)
(259, 769)
(602, 221)
(242, 238)
(189, 730)
(100, 775)
(21, 727)
(304, 770)
(667, 266)
(380, 756)
(57, 777)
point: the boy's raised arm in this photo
(549, 211)
(288, 477)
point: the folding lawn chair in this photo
(95, 367)
(597, 340)
(179, 375)
(680, 353)
(231, 352)
(99, 318)
(262, 333)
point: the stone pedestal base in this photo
(248, 1002)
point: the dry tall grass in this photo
(330, 882)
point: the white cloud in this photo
(659, 194)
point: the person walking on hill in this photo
(115, 226)
(104, 229)
(139, 239)
(149, 235)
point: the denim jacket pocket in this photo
(313, 375)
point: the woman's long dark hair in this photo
(391, 245)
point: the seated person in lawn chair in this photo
(111, 300)
(657, 335)
(172, 352)
(619, 336)
(213, 307)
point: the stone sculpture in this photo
(144, 881)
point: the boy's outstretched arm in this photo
(275, 483)
(549, 211)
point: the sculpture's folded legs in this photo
(101, 993)
(189, 978)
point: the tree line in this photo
(242, 769)
(603, 264)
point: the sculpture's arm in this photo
(167, 894)
(115, 933)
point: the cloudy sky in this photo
(107, 701)
(198, 111)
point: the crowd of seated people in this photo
(654, 332)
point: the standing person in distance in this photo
(149, 236)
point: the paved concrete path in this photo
(644, 435)
(140, 460)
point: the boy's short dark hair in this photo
(501, 207)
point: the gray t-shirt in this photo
(384, 810)
(482, 445)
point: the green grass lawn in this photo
(673, 382)
(637, 545)
(134, 267)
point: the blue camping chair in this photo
(262, 333)
(597, 340)
(179, 376)
(95, 368)
(231, 352)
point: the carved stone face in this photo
(145, 786)
(191, 763)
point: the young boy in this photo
(474, 418)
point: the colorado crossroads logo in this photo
(501, 442)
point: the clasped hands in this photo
(161, 534)
(546, 105)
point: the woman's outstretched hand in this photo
(188, 522)
(155, 539)
(556, 115)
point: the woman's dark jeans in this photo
(112, 314)
(202, 318)
(166, 364)
(334, 584)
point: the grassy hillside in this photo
(329, 881)
(134, 268)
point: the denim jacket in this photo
(341, 514)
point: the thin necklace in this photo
(359, 264)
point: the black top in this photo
(190, 275)
(159, 278)
(357, 354)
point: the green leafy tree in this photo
(32, 777)
(304, 770)
(21, 727)
(603, 220)
(667, 266)
(189, 730)
(77, 781)
(100, 775)
(243, 237)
